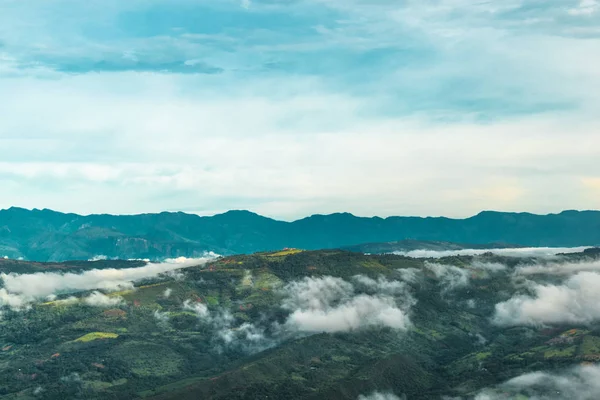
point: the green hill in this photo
(45, 235)
(290, 324)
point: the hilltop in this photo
(45, 235)
(294, 324)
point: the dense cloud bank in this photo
(565, 268)
(330, 304)
(21, 290)
(539, 252)
(581, 383)
(575, 301)
(380, 396)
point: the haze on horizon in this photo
(293, 108)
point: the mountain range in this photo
(46, 235)
(305, 325)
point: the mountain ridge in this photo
(47, 235)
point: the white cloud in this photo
(450, 277)
(97, 299)
(40, 285)
(582, 383)
(542, 252)
(564, 268)
(23, 289)
(359, 312)
(161, 317)
(585, 7)
(13, 301)
(200, 309)
(98, 258)
(167, 293)
(409, 274)
(330, 305)
(315, 141)
(488, 266)
(316, 293)
(379, 396)
(575, 301)
(248, 337)
(381, 285)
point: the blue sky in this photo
(294, 107)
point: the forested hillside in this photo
(300, 325)
(44, 235)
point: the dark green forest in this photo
(222, 331)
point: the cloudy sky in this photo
(294, 107)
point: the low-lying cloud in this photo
(200, 309)
(538, 252)
(566, 268)
(97, 299)
(450, 277)
(19, 290)
(330, 304)
(577, 300)
(582, 383)
(380, 396)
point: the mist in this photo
(21, 290)
(540, 252)
(564, 268)
(330, 304)
(581, 383)
(577, 300)
(381, 396)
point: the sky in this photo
(295, 107)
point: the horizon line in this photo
(291, 221)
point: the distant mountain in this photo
(46, 235)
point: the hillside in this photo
(301, 325)
(45, 235)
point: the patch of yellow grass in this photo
(90, 337)
(154, 285)
(122, 293)
(283, 253)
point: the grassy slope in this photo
(135, 354)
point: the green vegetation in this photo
(560, 353)
(231, 341)
(96, 336)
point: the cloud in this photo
(585, 8)
(167, 293)
(23, 289)
(200, 309)
(316, 293)
(582, 382)
(97, 299)
(359, 312)
(541, 252)
(575, 301)
(450, 277)
(564, 268)
(98, 258)
(381, 285)
(330, 305)
(380, 396)
(417, 105)
(488, 266)
(43, 284)
(247, 337)
(13, 301)
(161, 317)
(409, 274)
